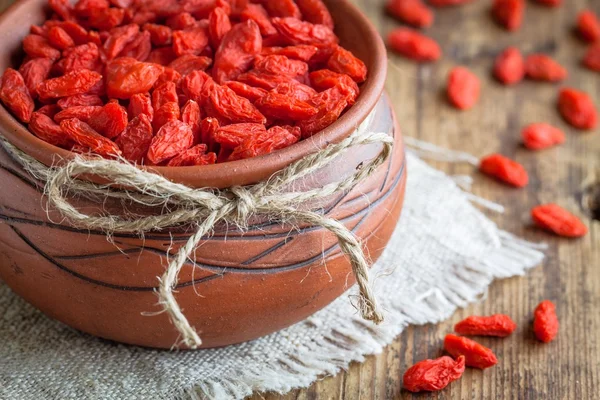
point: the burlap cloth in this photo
(443, 255)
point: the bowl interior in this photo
(356, 34)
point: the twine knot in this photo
(204, 208)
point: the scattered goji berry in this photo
(543, 68)
(558, 220)
(504, 169)
(509, 13)
(414, 45)
(135, 141)
(412, 12)
(82, 134)
(463, 88)
(476, 355)
(588, 26)
(577, 108)
(433, 375)
(15, 95)
(172, 138)
(509, 67)
(542, 136)
(498, 325)
(591, 59)
(545, 322)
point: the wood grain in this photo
(570, 367)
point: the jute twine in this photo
(204, 208)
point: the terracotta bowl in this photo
(241, 285)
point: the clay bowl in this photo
(241, 285)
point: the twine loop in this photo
(204, 208)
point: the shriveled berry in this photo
(15, 95)
(280, 65)
(588, 26)
(297, 32)
(192, 115)
(504, 169)
(301, 52)
(558, 220)
(296, 90)
(577, 108)
(326, 79)
(246, 91)
(234, 135)
(543, 68)
(140, 104)
(498, 325)
(82, 134)
(128, 76)
(545, 322)
(34, 72)
(344, 62)
(135, 140)
(315, 12)
(591, 59)
(80, 100)
(109, 121)
(138, 48)
(414, 45)
(232, 107)
(237, 51)
(412, 12)
(160, 35)
(542, 136)
(218, 26)
(192, 41)
(165, 93)
(433, 375)
(463, 88)
(82, 113)
(59, 39)
(38, 46)
(509, 13)
(46, 129)
(282, 8)
(167, 113)
(476, 355)
(85, 56)
(119, 38)
(267, 142)
(193, 157)
(173, 138)
(509, 67)
(73, 83)
(282, 107)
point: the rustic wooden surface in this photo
(569, 368)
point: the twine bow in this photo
(204, 208)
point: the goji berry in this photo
(110, 120)
(543, 68)
(280, 65)
(195, 86)
(577, 108)
(591, 59)
(46, 129)
(505, 170)
(282, 107)
(542, 136)
(258, 14)
(82, 113)
(160, 35)
(34, 72)
(509, 13)
(208, 129)
(234, 135)
(327, 115)
(326, 79)
(545, 322)
(107, 18)
(85, 56)
(192, 41)
(509, 67)
(476, 355)
(76, 82)
(303, 52)
(168, 75)
(296, 32)
(246, 91)
(558, 220)
(282, 8)
(49, 110)
(263, 80)
(59, 39)
(167, 113)
(62, 8)
(140, 104)
(412, 12)
(119, 38)
(433, 375)
(38, 46)
(296, 90)
(193, 157)
(138, 48)
(15, 95)
(162, 56)
(499, 325)
(135, 140)
(192, 115)
(218, 26)
(86, 8)
(588, 26)
(181, 21)
(127, 76)
(80, 100)
(344, 62)
(264, 143)
(463, 88)
(237, 51)
(172, 138)
(413, 45)
(82, 134)
(232, 107)
(165, 93)
(315, 12)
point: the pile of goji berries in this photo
(510, 67)
(182, 82)
(433, 375)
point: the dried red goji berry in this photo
(463, 88)
(344, 62)
(77, 32)
(181, 21)
(326, 116)
(168, 75)
(168, 112)
(106, 19)
(296, 90)
(280, 65)
(127, 76)
(282, 107)
(543, 68)
(412, 12)
(160, 35)
(505, 170)
(264, 143)
(192, 115)
(165, 93)
(195, 156)
(110, 120)
(46, 129)
(591, 60)
(433, 375)
(509, 67)
(80, 100)
(414, 45)
(38, 46)
(173, 138)
(326, 79)
(76, 82)
(191, 41)
(545, 322)
(577, 108)
(15, 95)
(162, 56)
(34, 72)
(232, 107)
(85, 56)
(218, 26)
(62, 8)
(476, 355)
(509, 13)
(118, 39)
(234, 135)
(59, 39)
(138, 48)
(237, 51)
(135, 140)
(258, 14)
(82, 134)
(263, 80)
(49, 110)
(247, 91)
(195, 86)
(282, 8)
(498, 325)
(588, 26)
(82, 113)
(315, 12)
(140, 104)
(296, 32)
(542, 136)
(558, 220)
(208, 130)
(303, 52)
(86, 8)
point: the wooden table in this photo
(569, 368)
